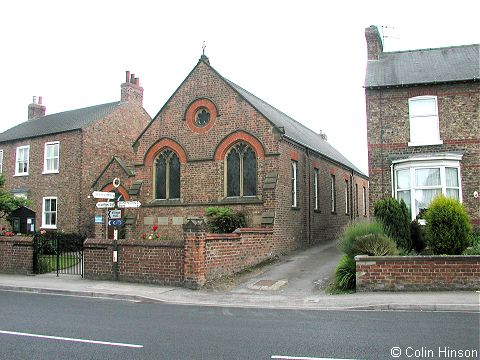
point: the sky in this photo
(306, 58)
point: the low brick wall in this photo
(417, 273)
(145, 261)
(230, 253)
(16, 254)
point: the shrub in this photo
(224, 220)
(417, 234)
(448, 226)
(374, 245)
(345, 273)
(396, 219)
(357, 229)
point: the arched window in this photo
(241, 171)
(167, 176)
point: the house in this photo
(423, 124)
(214, 144)
(52, 159)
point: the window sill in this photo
(22, 174)
(165, 202)
(242, 200)
(49, 227)
(50, 172)
(439, 142)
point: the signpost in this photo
(128, 204)
(115, 222)
(103, 195)
(115, 214)
(105, 204)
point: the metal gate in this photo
(58, 253)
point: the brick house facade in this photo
(53, 159)
(214, 144)
(423, 109)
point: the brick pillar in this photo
(194, 267)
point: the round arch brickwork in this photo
(192, 110)
(163, 144)
(121, 190)
(232, 139)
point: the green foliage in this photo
(474, 250)
(374, 245)
(345, 273)
(396, 219)
(448, 226)
(222, 220)
(48, 242)
(8, 202)
(417, 233)
(355, 230)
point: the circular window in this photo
(201, 115)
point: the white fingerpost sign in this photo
(128, 204)
(103, 195)
(105, 204)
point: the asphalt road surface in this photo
(34, 326)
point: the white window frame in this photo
(18, 161)
(45, 158)
(347, 202)
(294, 184)
(1, 161)
(364, 200)
(333, 193)
(44, 212)
(414, 136)
(441, 162)
(315, 189)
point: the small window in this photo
(347, 198)
(1, 161)
(333, 194)
(315, 190)
(423, 114)
(51, 157)
(22, 160)
(364, 201)
(294, 184)
(49, 218)
(167, 176)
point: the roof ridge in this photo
(70, 111)
(431, 49)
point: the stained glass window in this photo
(167, 176)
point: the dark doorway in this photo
(22, 220)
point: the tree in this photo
(8, 202)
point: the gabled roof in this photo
(426, 66)
(127, 170)
(294, 130)
(291, 128)
(59, 122)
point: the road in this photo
(34, 326)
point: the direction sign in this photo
(129, 204)
(105, 204)
(103, 195)
(115, 222)
(115, 214)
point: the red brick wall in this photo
(422, 273)
(16, 254)
(97, 259)
(459, 114)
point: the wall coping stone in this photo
(366, 258)
(17, 240)
(233, 236)
(91, 243)
(259, 230)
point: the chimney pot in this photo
(40, 100)
(132, 78)
(131, 91)
(127, 76)
(36, 110)
(34, 100)
(137, 81)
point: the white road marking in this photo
(303, 358)
(70, 339)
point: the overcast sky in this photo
(307, 58)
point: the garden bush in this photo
(355, 230)
(448, 226)
(417, 234)
(396, 219)
(222, 220)
(345, 273)
(374, 245)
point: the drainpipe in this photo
(351, 197)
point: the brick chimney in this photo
(36, 110)
(131, 89)
(374, 43)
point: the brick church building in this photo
(214, 144)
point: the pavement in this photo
(297, 281)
